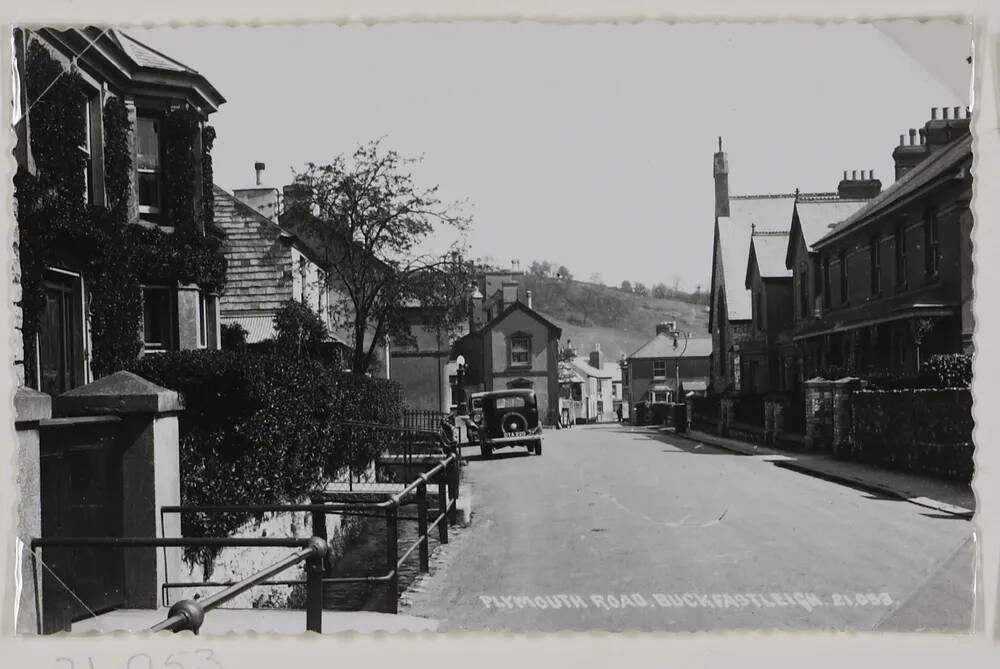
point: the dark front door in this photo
(60, 336)
(81, 476)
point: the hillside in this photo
(620, 322)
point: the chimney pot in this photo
(902, 142)
(968, 113)
(845, 175)
(854, 175)
(958, 113)
(258, 168)
(934, 113)
(913, 135)
(944, 113)
(923, 136)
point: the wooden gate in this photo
(81, 496)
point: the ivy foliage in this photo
(56, 227)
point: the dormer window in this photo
(148, 166)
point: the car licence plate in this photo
(516, 434)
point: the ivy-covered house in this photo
(117, 254)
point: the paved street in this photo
(621, 528)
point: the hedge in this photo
(263, 428)
(922, 430)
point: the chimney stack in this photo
(596, 359)
(663, 328)
(859, 188)
(720, 169)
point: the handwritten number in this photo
(209, 656)
(67, 661)
(149, 661)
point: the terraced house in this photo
(891, 284)
(118, 254)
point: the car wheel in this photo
(538, 448)
(486, 451)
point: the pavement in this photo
(262, 621)
(621, 528)
(932, 493)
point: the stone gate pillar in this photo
(150, 471)
(843, 433)
(30, 407)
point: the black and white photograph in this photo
(494, 327)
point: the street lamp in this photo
(460, 386)
(676, 334)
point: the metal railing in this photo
(189, 614)
(423, 419)
(444, 474)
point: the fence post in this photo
(452, 472)
(314, 593)
(425, 565)
(319, 530)
(391, 558)
(442, 509)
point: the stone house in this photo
(116, 256)
(136, 107)
(516, 348)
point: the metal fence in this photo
(422, 419)
(423, 461)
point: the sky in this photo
(585, 145)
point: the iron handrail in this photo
(188, 614)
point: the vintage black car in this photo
(506, 418)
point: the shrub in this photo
(923, 430)
(948, 370)
(299, 330)
(263, 429)
(234, 337)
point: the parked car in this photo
(507, 418)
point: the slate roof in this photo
(145, 56)
(746, 213)
(258, 276)
(817, 217)
(662, 346)
(931, 168)
(584, 366)
(768, 250)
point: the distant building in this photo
(510, 345)
(597, 401)
(423, 364)
(653, 370)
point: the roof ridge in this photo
(778, 196)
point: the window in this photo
(826, 282)
(843, 277)
(659, 369)
(520, 351)
(148, 166)
(932, 257)
(85, 151)
(875, 266)
(804, 293)
(659, 396)
(900, 243)
(510, 403)
(202, 320)
(159, 320)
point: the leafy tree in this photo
(660, 291)
(597, 278)
(626, 287)
(564, 273)
(376, 220)
(640, 289)
(540, 268)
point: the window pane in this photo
(520, 350)
(156, 318)
(202, 321)
(509, 402)
(149, 191)
(149, 144)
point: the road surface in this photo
(622, 528)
